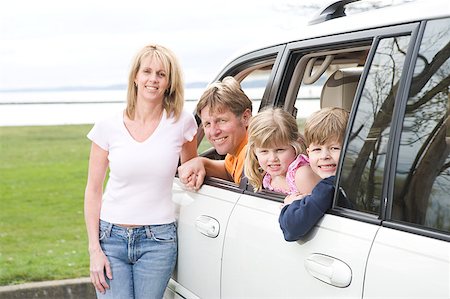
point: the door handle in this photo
(208, 226)
(329, 269)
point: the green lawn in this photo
(43, 173)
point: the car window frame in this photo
(234, 68)
(283, 79)
(399, 112)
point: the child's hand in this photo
(291, 197)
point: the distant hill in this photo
(199, 84)
(83, 88)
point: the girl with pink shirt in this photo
(275, 155)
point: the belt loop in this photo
(148, 232)
(109, 229)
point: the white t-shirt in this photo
(139, 188)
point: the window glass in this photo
(312, 72)
(422, 182)
(363, 167)
(253, 83)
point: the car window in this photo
(422, 178)
(364, 162)
(310, 87)
(253, 82)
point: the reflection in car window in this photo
(363, 167)
(422, 182)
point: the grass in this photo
(43, 172)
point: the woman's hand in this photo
(99, 265)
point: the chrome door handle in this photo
(329, 269)
(208, 226)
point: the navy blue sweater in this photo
(299, 217)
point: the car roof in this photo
(390, 15)
(386, 16)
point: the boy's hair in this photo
(327, 124)
(227, 94)
(271, 127)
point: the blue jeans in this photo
(142, 259)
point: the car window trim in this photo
(253, 58)
(397, 122)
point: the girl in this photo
(275, 159)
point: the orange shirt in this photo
(235, 164)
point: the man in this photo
(225, 111)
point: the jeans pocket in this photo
(103, 232)
(164, 232)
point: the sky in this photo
(53, 43)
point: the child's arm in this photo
(306, 179)
(291, 197)
(298, 218)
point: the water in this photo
(67, 107)
(84, 107)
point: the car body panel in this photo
(217, 204)
(254, 247)
(398, 260)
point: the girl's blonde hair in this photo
(327, 124)
(174, 95)
(271, 127)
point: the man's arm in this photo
(299, 217)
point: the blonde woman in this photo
(275, 154)
(131, 226)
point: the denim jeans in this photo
(142, 259)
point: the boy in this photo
(324, 134)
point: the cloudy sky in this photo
(53, 43)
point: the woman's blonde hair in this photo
(227, 94)
(271, 127)
(327, 124)
(174, 95)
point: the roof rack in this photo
(333, 10)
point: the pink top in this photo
(300, 161)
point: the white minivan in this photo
(390, 68)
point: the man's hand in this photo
(192, 173)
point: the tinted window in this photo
(363, 168)
(422, 182)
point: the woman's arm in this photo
(189, 150)
(98, 164)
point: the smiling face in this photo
(275, 160)
(324, 158)
(151, 80)
(224, 130)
